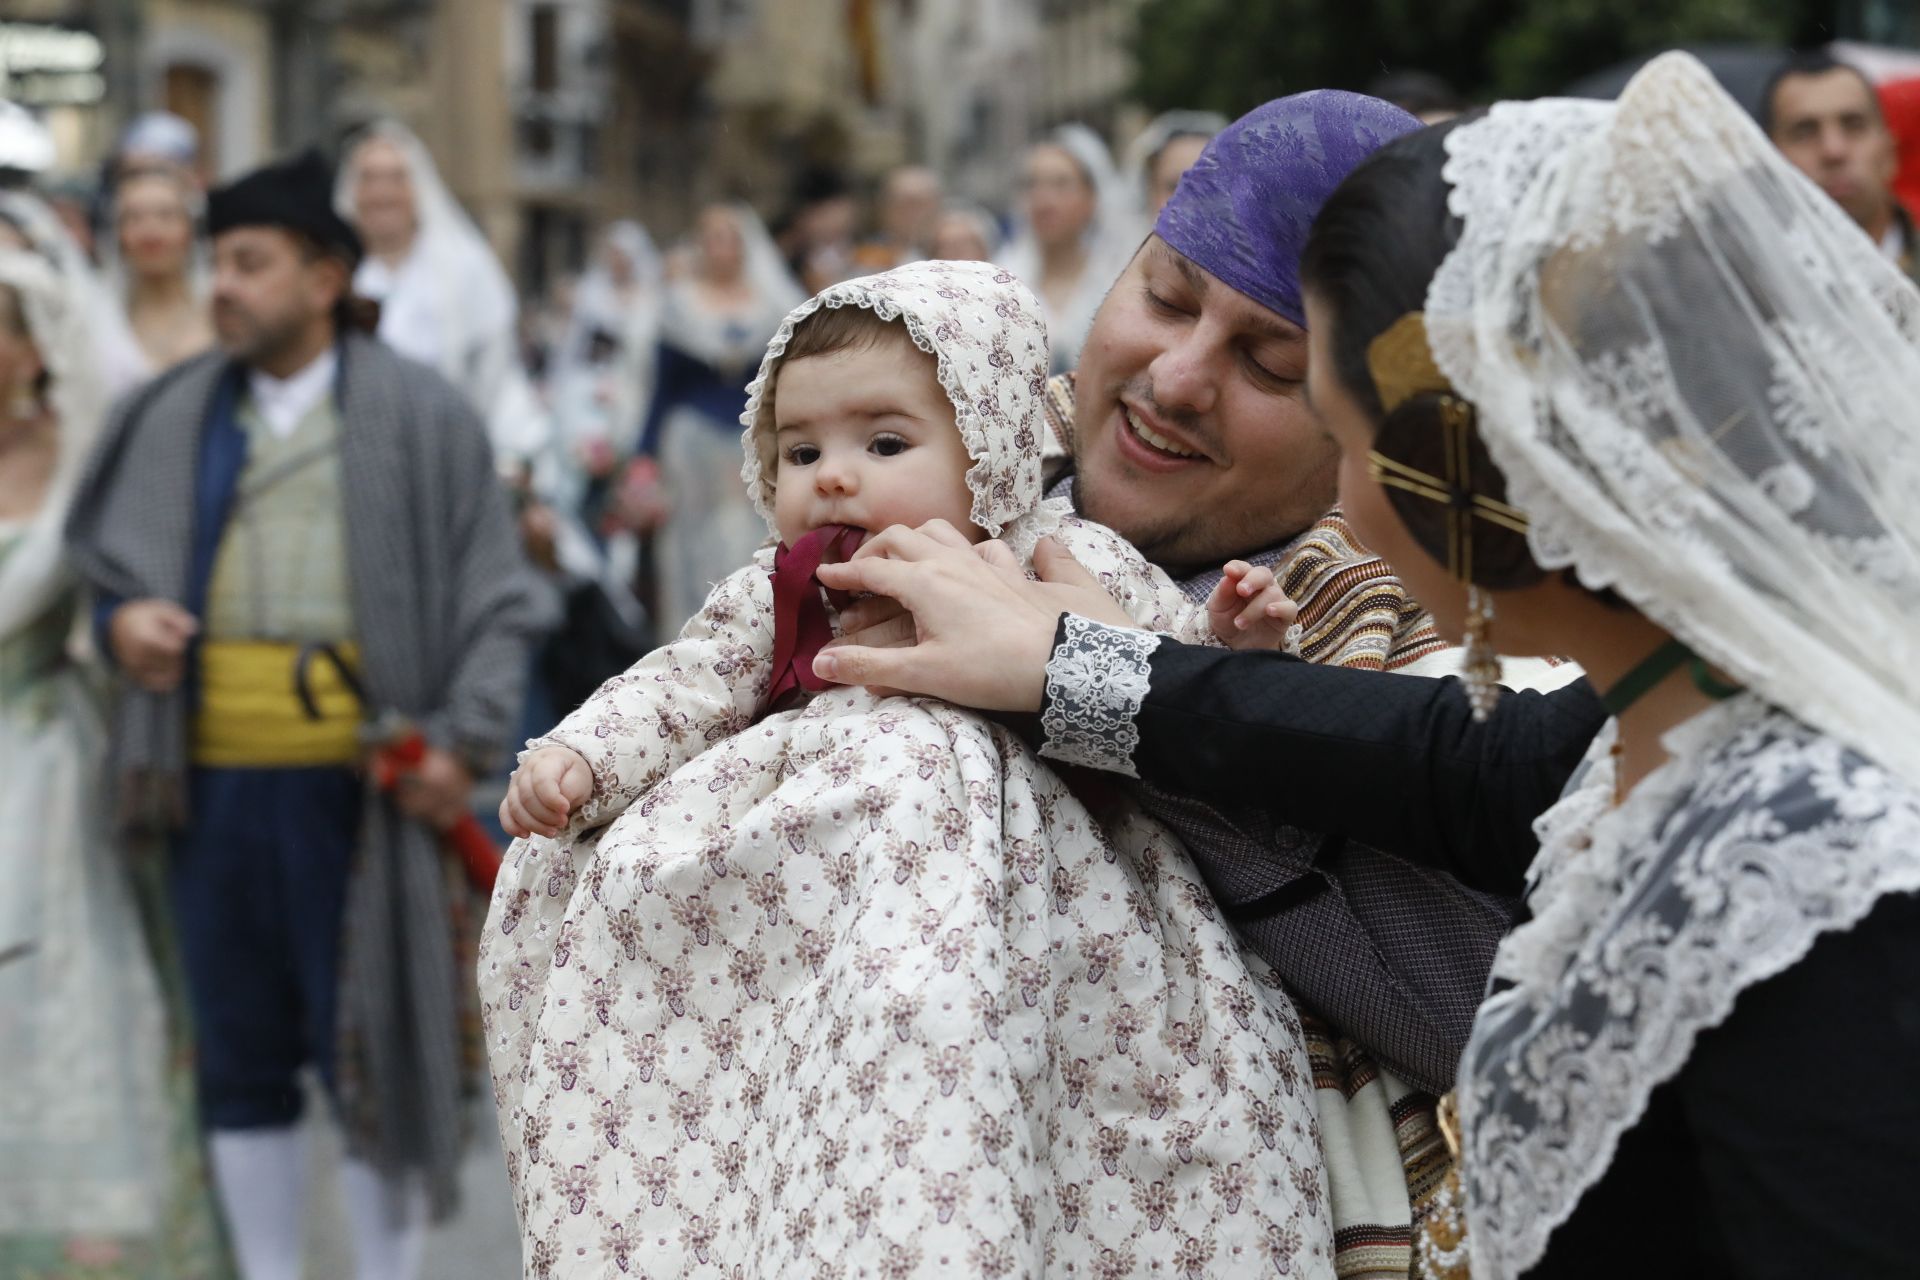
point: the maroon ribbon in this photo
(801, 627)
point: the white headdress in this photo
(25, 144)
(467, 327)
(1146, 148)
(984, 331)
(444, 230)
(597, 302)
(766, 270)
(55, 292)
(1697, 376)
(1109, 239)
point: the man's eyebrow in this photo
(1258, 318)
(1279, 328)
(1196, 278)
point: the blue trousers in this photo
(258, 883)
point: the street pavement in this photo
(481, 1242)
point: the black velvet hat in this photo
(296, 194)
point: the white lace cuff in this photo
(1096, 680)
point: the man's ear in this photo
(336, 275)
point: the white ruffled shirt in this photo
(283, 402)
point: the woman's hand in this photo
(549, 785)
(975, 630)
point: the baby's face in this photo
(866, 437)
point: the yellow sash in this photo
(250, 716)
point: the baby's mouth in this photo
(837, 544)
(841, 549)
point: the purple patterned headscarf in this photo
(1243, 211)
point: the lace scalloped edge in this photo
(1530, 1240)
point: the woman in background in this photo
(155, 269)
(1165, 149)
(444, 298)
(1075, 235)
(101, 1173)
(714, 328)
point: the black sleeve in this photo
(1803, 1107)
(1396, 762)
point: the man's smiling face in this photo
(1191, 438)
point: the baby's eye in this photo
(889, 446)
(802, 455)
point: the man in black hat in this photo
(292, 539)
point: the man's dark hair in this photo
(1810, 62)
(1416, 92)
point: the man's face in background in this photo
(1829, 125)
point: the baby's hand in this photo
(1248, 610)
(549, 784)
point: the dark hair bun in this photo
(1414, 435)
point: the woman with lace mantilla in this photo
(1612, 381)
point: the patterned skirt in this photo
(868, 990)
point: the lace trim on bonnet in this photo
(989, 343)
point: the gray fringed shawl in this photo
(446, 609)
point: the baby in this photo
(796, 978)
(863, 435)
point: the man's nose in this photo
(1186, 376)
(1833, 144)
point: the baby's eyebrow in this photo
(877, 409)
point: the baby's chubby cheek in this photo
(940, 498)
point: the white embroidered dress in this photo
(863, 988)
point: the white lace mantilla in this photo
(1696, 376)
(1096, 680)
(1719, 871)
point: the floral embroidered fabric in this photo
(864, 988)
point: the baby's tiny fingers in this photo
(549, 793)
(1255, 612)
(515, 818)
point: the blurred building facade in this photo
(552, 117)
(961, 85)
